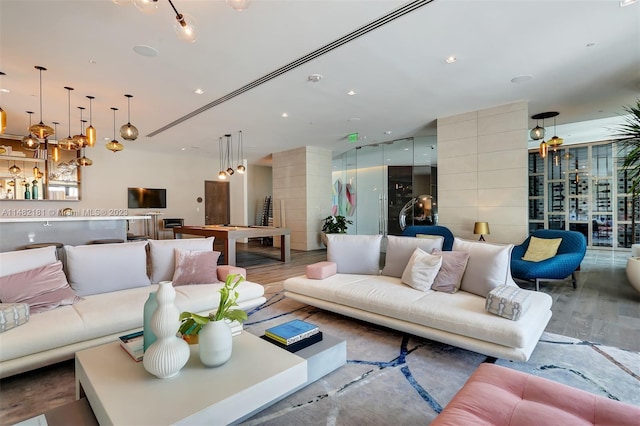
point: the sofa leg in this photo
(537, 284)
(574, 280)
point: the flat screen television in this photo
(147, 198)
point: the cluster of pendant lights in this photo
(80, 141)
(227, 159)
(538, 133)
(184, 25)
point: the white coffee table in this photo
(258, 374)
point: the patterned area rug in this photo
(395, 378)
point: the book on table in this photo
(300, 344)
(133, 344)
(292, 331)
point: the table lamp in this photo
(481, 228)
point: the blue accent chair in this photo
(447, 245)
(564, 264)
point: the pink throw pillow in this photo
(195, 267)
(43, 288)
(451, 272)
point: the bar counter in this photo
(18, 232)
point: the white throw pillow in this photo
(400, 249)
(162, 255)
(354, 254)
(12, 262)
(489, 265)
(103, 268)
(421, 270)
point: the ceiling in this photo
(583, 58)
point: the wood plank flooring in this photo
(603, 309)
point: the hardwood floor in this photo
(603, 309)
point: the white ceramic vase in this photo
(169, 353)
(215, 343)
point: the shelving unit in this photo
(578, 188)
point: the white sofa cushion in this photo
(421, 270)
(488, 266)
(103, 268)
(12, 262)
(163, 257)
(354, 254)
(400, 249)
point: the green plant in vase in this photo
(336, 225)
(191, 323)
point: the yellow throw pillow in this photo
(541, 249)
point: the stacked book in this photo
(293, 335)
(133, 343)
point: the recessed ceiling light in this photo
(388, 132)
(521, 78)
(284, 115)
(451, 59)
(315, 78)
(5, 90)
(590, 44)
(198, 91)
(147, 51)
(92, 61)
(351, 93)
(624, 3)
(354, 119)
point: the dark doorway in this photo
(216, 203)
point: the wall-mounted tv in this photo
(147, 198)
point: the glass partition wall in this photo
(372, 183)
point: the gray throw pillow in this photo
(451, 272)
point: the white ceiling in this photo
(398, 71)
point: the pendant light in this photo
(241, 168)
(55, 152)
(91, 131)
(537, 132)
(41, 130)
(146, 6)
(230, 170)
(80, 138)
(184, 26)
(129, 131)
(15, 170)
(68, 143)
(84, 160)
(114, 145)
(555, 141)
(3, 116)
(36, 172)
(221, 174)
(30, 142)
(239, 5)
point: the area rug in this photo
(396, 378)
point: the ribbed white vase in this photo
(169, 353)
(215, 343)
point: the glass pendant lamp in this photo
(129, 131)
(114, 145)
(230, 170)
(3, 116)
(80, 138)
(55, 152)
(222, 175)
(239, 5)
(91, 131)
(15, 170)
(41, 130)
(30, 142)
(146, 6)
(68, 143)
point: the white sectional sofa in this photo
(109, 284)
(457, 318)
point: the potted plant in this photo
(628, 139)
(213, 331)
(334, 225)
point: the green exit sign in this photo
(353, 137)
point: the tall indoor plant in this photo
(628, 139)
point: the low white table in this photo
(258, 374)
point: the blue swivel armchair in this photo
(413, 230)
(564, 264)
